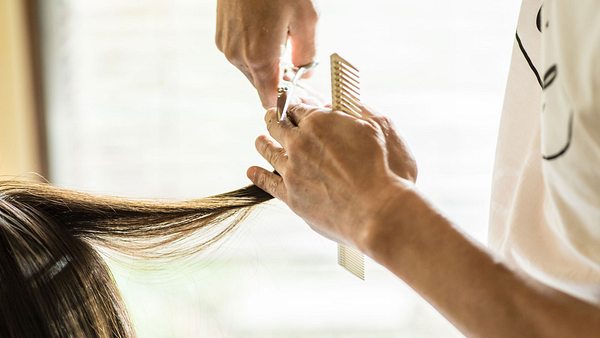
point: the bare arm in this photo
(478, 294)
(352, 181)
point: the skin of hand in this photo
(251, 34)
(352, 179)
(335, 193)
(309, 96)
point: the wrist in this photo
(388, 227)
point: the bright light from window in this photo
(142, 104)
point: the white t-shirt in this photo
(545, 211)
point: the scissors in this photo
(286, 90)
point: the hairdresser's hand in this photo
(252, 33)
(336, 171)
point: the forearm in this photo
(342, 176)
(479, 295)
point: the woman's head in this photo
(53, 282)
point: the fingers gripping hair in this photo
(271, 182)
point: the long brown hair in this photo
(54, 282)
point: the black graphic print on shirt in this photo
(557, 116)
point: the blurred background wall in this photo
(21, 134)
(140, 103)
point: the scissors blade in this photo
(286, 103)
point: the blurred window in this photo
(140, 103)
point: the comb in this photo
(345, 88)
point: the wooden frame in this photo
(33, 17)
(23, 146)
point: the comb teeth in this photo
(345, 86)
(352, 260)
(345, 93)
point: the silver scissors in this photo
(286, 90)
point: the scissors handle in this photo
(285, 92)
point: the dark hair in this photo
(53, 281)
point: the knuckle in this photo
(274, 156)
(383, 121)
(371, 128)
(262, 145)
(364, 108)
(232, 51)
(260, 179)
(273, 186)
(309, 122)
(231, 54)
(315, 119)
